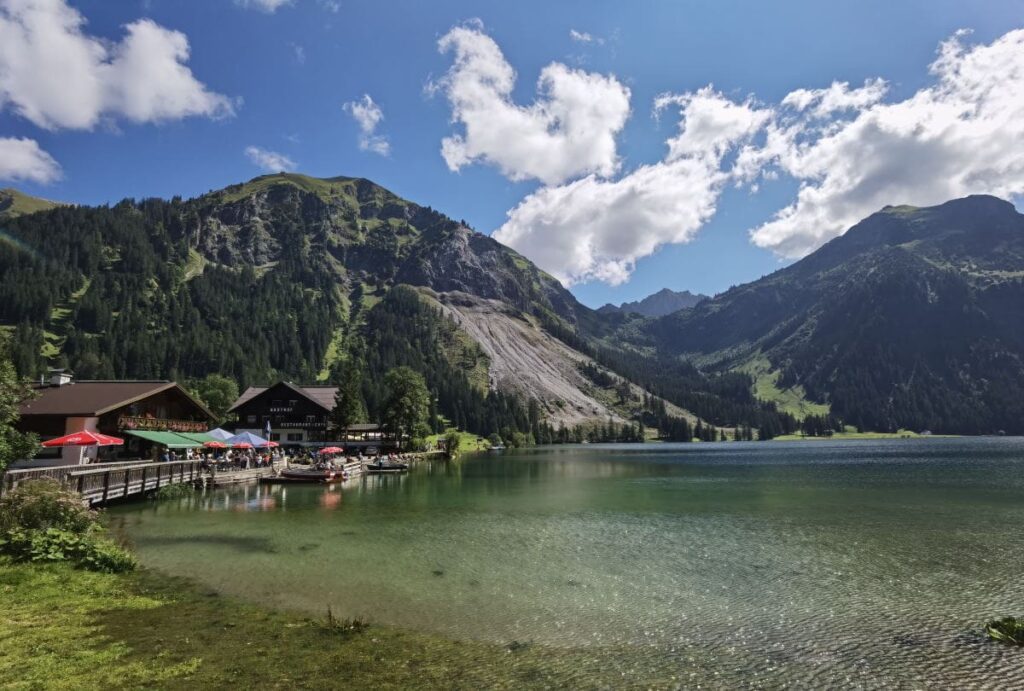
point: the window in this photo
(275, 404)
(292, 404)
(251, 419)
(274, 436)
(311, 419)
(295, 436)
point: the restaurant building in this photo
(116, 408)
(298, 415)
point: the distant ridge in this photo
(15, 203)
(659, 304)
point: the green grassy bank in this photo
(62, 628)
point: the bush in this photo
(40, 521)
(176, 491)
(87, 550)
(44, 504)
(452, 441)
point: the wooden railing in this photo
(102, 482)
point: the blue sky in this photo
(284, 76)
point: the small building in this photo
(298, 415)
(113, 407)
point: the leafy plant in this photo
(176, 491)
(42, 504)
(87, 550)
(1006, 630)
(452, 441)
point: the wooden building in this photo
(110, 407)
(299, 416)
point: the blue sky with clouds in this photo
(100, 100)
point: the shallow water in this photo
(858, 564)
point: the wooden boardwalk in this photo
(100, 483)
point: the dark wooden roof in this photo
(321, 395)
(92, 398)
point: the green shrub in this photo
(452, 441)
(43, 504)
(176, 491)
(1006, 630)
(88, 550)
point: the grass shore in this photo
(901, 434)
(63, 628)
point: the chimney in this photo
(60, 376)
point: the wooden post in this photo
(159, 472)
(106, 485)
(127, 476)
(144, 473)
(81, 484)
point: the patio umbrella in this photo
(84, 438)
(273, 444)
(247, 438)
(220, 434)
(215, 445)
(331, 449)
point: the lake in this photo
(858, 564)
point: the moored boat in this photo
(312, 475)
(385, 467)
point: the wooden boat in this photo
(386, 467)
(312, 475)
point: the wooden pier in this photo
(100, 483)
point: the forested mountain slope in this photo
(289, 276)
(914, 318)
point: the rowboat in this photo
(386, 467)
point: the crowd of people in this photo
(246, 459)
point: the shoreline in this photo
(79, 629)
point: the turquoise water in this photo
(860, 564)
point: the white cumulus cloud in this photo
(568, 131)
(57, 76)
(368, 116)
(852, 149)
(271, 161)
(22, 159)
(961, 135)
(596, 229)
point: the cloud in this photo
(22, 159)
(959, 136)
(368, 115)
(299, 52)
(596, 229)
(585, 37)
(569, 130)
(268, 6)
(57, 76)
(270, 161)
(852, 150)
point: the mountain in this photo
(913, 318)
(14, 203)
(659, 304)
(290, 276)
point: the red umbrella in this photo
(242, 445)
(215, 445)
(272, 444)
(84, 438)
(331, 449)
